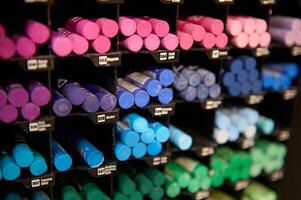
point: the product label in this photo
(127, 85)
(276, 175)
(217, 53)
(35, 1)
(163, 110)
(254, 99)
(35, 64)
(290, 94)
(187, 163)
(296, 51)
(245, 143)
(40, 182)
(206, 151)
(260, 51)
(172, 1)
(164, 56)
(106, 60)
(138, 77)
(106, 118)
(39, 126)
(211, 104)
(224, 2)
(267, 2)
(158, 160)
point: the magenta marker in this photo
(60, 45)
(151, 42)
(265, 39)
(221, 40)
(209, 41)
(7, 48)
(108, 27)
(212, 25)
(241, 40)
(17, 95)
(254, 40)
(185, 40)
(30, 111)
(3, 97)
(8, 114)
(37, 32)
(2, 30)
(25, 47)
(159, 27)
(261, 25)
(133, 43)
(285, 22)
(144, 28)
(127, 26)
(39, 94)
(196, 31)
(283, 36)
(170, 42)
(233, 27)
(84, 27)
(80, 44)
(61, 106)
(101, 44)
(107, 100)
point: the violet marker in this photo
(194, 78)
(159, 27)
(185, 40)
(283, 36)
(30, 111)
(101, 44)
(60, 45)
(127, 26)
(72, 90)
(151, 42)
(133, 43)
(80, 44)
(107, 100)
(165, 76)
(39, 94)
(7, 48)
(144, 28)
(214, 91)
(3, 97)
(91, 103)
(196, 31)
(189, 94)
(202, 92)
(8, 114)
(25, 47)
(170, 42)
(285, 22)
(61, 106)
(17, 95)
(180, 82)
(140, 95)
(152, 86)
(84, 27)
(207, 77)
(108, 27)
(2, 30)
(37, 32)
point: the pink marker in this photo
(7, 48)
(283, 36)
(84, 27)
(209, 41)
(213, 25)
(30, 111)
(108, 27)
(151, 42)
(60, 45)
(144, 28)
(80, 45)
(197, 31)
(8, 114)
(241, 40)
(127, 26)
(248, 24)
(285, 22)
(170, 42)
(254, 40)
(265, 39)
(25, 47)
(185, 40)
(159, 27)
(37, 32)
(222, 40)
(39, 94)
(17, 95)
(133, 43)
(102, 44)
(2, 30)
(233, 27)
(3, 97)
(261, 25)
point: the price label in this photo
(164, 110)
(206, 151)
(158, 160)
(260, 52)
(172, 1)
(267, 2)
(37, 64)
(290, 94)
(254, 99)
(217, 54)
(240, 185)
(40, 126)
(283, 135)
(224, 2)
(276, 175)
(41, 182)
(245, 143)
(211, 104)
(296, 51)
(202, 195)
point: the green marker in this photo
(144, 185)
(193, 186)
(69, 193)
(178, 174)
(157, 193)
(91, 191)
(156, 176)
(125, 184)
(172, 188)
(136, 196)
(119, 196)
(194, 167)
(205, 183)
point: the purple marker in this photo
(30, 111)
(180, 83)
(285, 22)
(141, 96)
(107, 100)
(25, 47)
(37, 32)
(283, 36)
(91, 103)
(3, 97)
(189, 94)
(39, 94)
(207, 77)
(152, 86)
(192, 76)
(17, 95)
(214, 91)
(61, 106)
(202, 92)
(72, 90)
(7, 48)
(8, 114)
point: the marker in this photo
(37, 32)
(84, 27)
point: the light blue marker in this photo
(162, 133)
(222, 120)
(233, 133)
(136, 122)
(22, 155)
(139, 150)
(39, 165)
(250, 114)
(154, 148)
(61, 159)
(13, 196)
(147, 136)
(179, 138)
(40, 195)
(121, 151)
(126, 134)
(10, 170)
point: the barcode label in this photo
(212, 104)
(36, 64)
(217, 53)
(39, 126)
(254, 99)
(260, 51)
(39, 182)
(106, 60)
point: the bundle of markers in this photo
(15, 98)
(240, 76)
(137, 87)
(89, 97)
(146, 32)
(194, 82)
(206, 31)
(248, 31)
(285, 30)
(279, 76)
(137, 136)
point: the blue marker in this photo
(165, 76)
(207, 77)
(154, 148)
(147, 136)
(126, 135)
(179, 138)
(165, 96)
(139, 150)
(125, 98)
(136, 122)
(194, 79)
(253, 75)
(121, 151)
(249, 62)
(10, 170)
(202, 92)
(189, 94)
(228, 78)
(22, 155)
(62, 160)
(39, 165)
(234, 89)
(246, 88)
(61, 106)
(180, 83)
(242, 76)
(290, 69)
(162, 133)
(234, 65)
